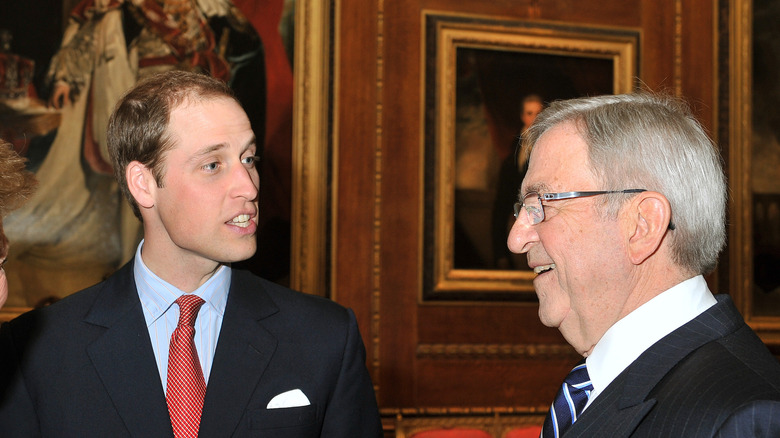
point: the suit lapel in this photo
(124, 359)
(607, 421)
(243, 352)
(620, 408)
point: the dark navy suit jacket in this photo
(712, 377)
(84, 367)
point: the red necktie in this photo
(186, 386)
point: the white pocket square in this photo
(290, 399)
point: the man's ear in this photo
(650, 213)
(141, 184)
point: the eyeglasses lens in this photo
(532, 205)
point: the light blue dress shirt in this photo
(162, 314)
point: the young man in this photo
(621, 213)
(120, 359)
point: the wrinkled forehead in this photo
(559, 162)
(200, 113)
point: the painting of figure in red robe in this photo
(76, 229)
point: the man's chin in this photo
(547, 320)
(239, 255)
(548, 315)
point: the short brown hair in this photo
(138, 127)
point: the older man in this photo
(621, 212)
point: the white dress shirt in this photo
(157, 300)
(628, 338)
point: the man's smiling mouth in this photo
(544, 268)
(241, 220)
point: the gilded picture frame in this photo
(476, 72)
(311, 114)
(753, 157)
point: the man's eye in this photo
(211, 166)
(251, 160)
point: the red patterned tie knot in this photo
(189, 305)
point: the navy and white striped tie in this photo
(568, 403)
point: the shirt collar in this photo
(157, 295)
(628, 338)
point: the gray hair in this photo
(652, 142)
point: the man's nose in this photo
(522, 235)
(246, 182)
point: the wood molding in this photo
(495, 351)
(678, 38)
(311, 143)
(405, 422)
(376, 247)
(432, 411)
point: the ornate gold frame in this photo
(741, 266)
(445, 34)
(311, 144)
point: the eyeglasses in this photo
(534, 210)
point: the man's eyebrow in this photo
(252, 142)
(533, 188)
(219, 146)
(207, 150)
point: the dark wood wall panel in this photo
(698, 63)
(353, 162)
(488, 382)
(481, 323)
(399, 218)
(658, 51)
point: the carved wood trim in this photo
(376, 291)
(311, 142)
(678, 38)
(495, 351)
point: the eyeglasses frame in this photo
(568, 195)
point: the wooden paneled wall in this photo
(466, 354)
